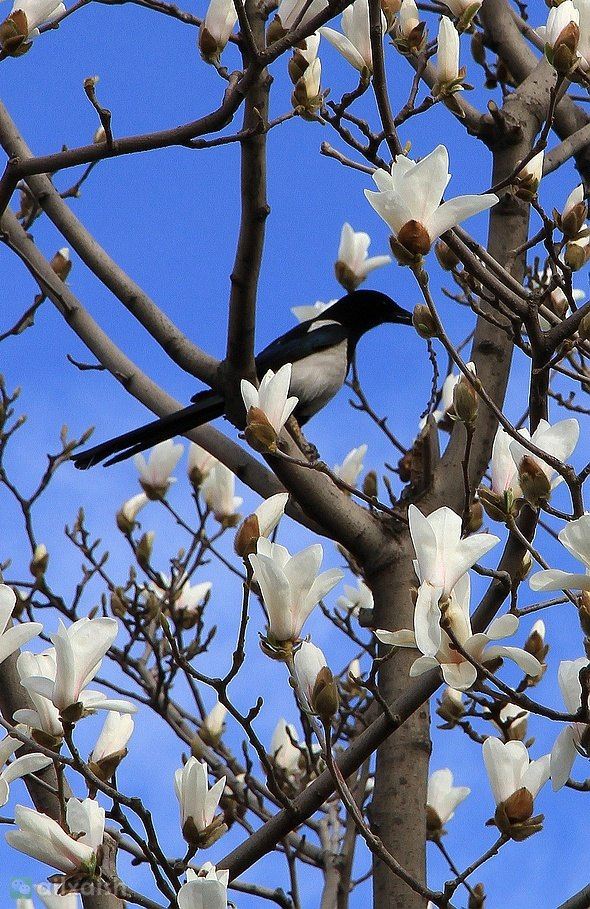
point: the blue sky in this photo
(170, 218)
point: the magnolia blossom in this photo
(447, 56)
(515, 781)
(21, 766)
(442, 558)
(197, 802)
(112, 741)
(355, 43)
(13, 637)
(460, 7)
(214, 721)
(409, 18)
(289, 11)
(353, 264)
(306, 94)
(442, 798)
(52, 900)
(304, 313)
(187, 598)
(220, 18)
(351, 468)
(356, 598)
(513, 722)
(36, 13)
(559, 18)
(154, 474)
(409, 200)
(576, 539)
(290, 585)
(218, 493)
(533, 169)
(558, 441)
(206, 889)
(272, 397)
(45, 715)
(42, 838)
(127, 514)
(446, 399)
(573, 739)
(261, 523)
(504, 469)
(284, 753)
(458, 672)
(308, 663)
(200, 463)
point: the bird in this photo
(321, 350)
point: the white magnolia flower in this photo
(116, 732)
(127, 514)
(197, 802)
(284, 753)
(289, 11)
(42, 838)
(21, 766)
(220, 18)
(515, 721)
(52, 900)
(37, 12)
(442, 797)
(447, 55)
(304, 313)
(187, 598)
(559, 18)
(409, 200)
(290, 585)
(558, 440)
(409, 18)
(218, 493)
(533, 169)
(352, 465)
(200, 463)
(45, 715)
(353, 264)
(460, 7)
(154, 474)
(270, 512)
(573, 201)
(573, 739)
(355, 43)
(215, 720)
(503, 466)
(308, 662)
(576, 539)
(272, 396)
(308, 87)
(457, 671)
(446, 398)
(509, 768)
(13, 637)
(442, 558)
(206, 889)
(356, 598)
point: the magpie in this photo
(320, 349)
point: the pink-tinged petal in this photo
(503, 627)
(427, 620)
(456, 210)
(403, 638)
(563, 755)
(421, 665)
(459, 675)
(554, 579)
(16, 636)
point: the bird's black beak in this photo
(399, 316)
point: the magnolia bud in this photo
(493, 504)
(584, 328)
(465, 401)
(39, 562)
(247, 537)
(260, 433)
(324, 696)
(346, 276)
(451, 707)
(61, 263)
(118, 604)
(434, 826)
(576, 255)
(524, 568)
(445, 255)
(423, 321)
(562, 55)
(474, 518)
(144, 549)
(370, 484)
(574, 220)
(534, 483)
(477, 897)
(208, 46)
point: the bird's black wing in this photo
(300, 342)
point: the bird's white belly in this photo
(317, 378)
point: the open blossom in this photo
(442, 558)
(260, 523)
(269, 406)
(458, 672)
(111, 745)
(284, 753)
(442, 799)
(353, 264)
(558, 441)
(351, 468)
(22, 24)
(200, 463)
(575, 536)
(187, 598)
(218, 494)
(355, 43)
(154, 474)
(198, 803)
(217, 26)
(205, 889)
(356, 598)
(515, 781)
(513, 722)
(51, 899)
(290, 585)
(13, 637)
(409, 201)
(303, 313)
(42, 838)
(21, 766)
(127, 514)
(574, 739)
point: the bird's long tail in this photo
(207, 406)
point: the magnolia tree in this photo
(344, 783)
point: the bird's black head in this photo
(365, 309)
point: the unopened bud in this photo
(584, 328)
(61, 263)
(533, 481)
(562, 55)
(100, 135)
(474, 518)
(477, 897)
(493, 504)
(576, 254)
(370, 484)
(451, 707)
(574, 220)
(524, 568)
(247, 537)
(346, 276)
(260, 433)
(423, 321)
(39, 562)
(208, 46)
(144, 549)
(324, 697)
(118, 604)
(447, 259)
(465, 401)
(434, 826)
